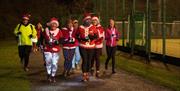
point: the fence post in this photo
(123, 22)
(163, 9)
(133, 28)
(148, 30)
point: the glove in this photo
(85, 39)
(95, 36)
(17, 38)
(56, 42)
(71, 40)
(19, 33)
(30, 36)
(113, 35)
(92, 37)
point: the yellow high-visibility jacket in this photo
(26, 31)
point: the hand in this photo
(30, 36)
(56, 42)
(113, 35)
(17, 39)
(19, 33)
(86, 38)
(34, 48)
(72, 40)
(92, 37)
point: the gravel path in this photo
(121, 81)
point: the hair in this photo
(114, 23)
(39, 23)
(75, 20)
(69, 21)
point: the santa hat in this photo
(53, 20)
(26, 16)
(86, 16)
(95, 18)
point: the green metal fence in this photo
(147, 24)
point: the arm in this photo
(101, 35)
(107, 36)
(34, 32)
(16, 30)
(94, 35)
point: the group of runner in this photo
(85, 41)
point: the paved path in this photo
(122, 81)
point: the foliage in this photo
(40, 10)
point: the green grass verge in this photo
(158, 75)
(12, 76)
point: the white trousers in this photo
(51, 62)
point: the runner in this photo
(111, 36)
(98, 46)
(69, 45)
(77, 56)
(26, 36)
(51, 50)
(87, 35)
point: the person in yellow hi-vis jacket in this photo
(26, 36)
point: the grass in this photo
(158, 75)
(12, 76)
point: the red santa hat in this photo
(95, 18)
(86, 16)
(53, 20)
(26, 16)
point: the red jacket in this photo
(112, 36)
(69, 38)
(99, 40)
(52, 38)
(87, 36)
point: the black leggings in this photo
(86, 55)
(96, 55)
(24, 53)
(111, 51)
